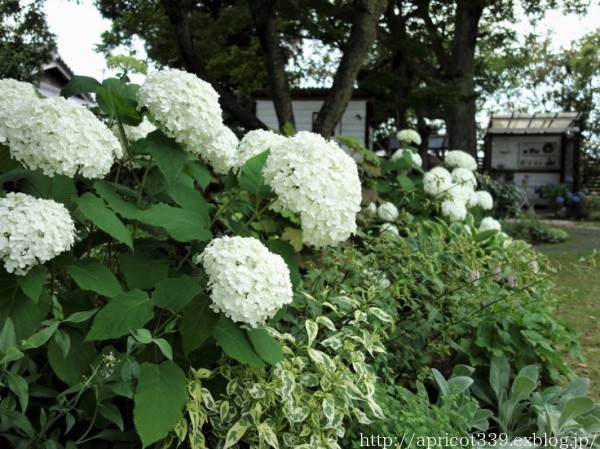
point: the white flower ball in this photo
(454, 210)
(134, 133)
(416, 159)
(458, 158)
(389, 230)
(62, 137)
(437, 180)
(32, 231)
(463, 193)
(248, 283)
(187, 106)
(256, 142)
(464, 177)
(484, 200)
(371, 209)
(387, 212)
(409, 136)
(319, 181)
(14, 94)
(489, 223)
(221, 151)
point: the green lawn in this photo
(582, 288)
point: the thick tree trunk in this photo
(361, 39)
(462, 127)
(178, 12)
(264, 16)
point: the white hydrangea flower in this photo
(134, 133)
(485, 200)
(221, 151)
(387, 212)
(187, 106)
(489, 223)
(248, 283)
(454, 210)
(319, 181)
(464, 177)
(416, 159)
(32, 231)
(14, 94)
(464, 194)
(409, 136)
(62, 137)
(458, 158)
(437, 180)
(388, 229)
(371, 209)
(255, 142)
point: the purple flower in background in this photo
(569, 195)
(580, 194)
(569, 180)
(575, 199)
(560, 200)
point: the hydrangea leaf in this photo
(265, 345)
(235, 343)
(142, 269)
(286, 251)
(176, 293)
(97, 212)
(92, 275)
(59, 188)
(197, 323)
(251, 177)
(405, 182)
(114, 201)
(33, 282)
(77, 363)
(115, 105)
(126, 312)
(199, 172)
(159, 399)
(166, 154)
(183, 225)
(79, 85)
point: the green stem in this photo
(224, 207)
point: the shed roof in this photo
(538, 123)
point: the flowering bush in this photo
(566, 202)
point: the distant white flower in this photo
(32, 231)
(371, 209)
(14, 94)
(458, 158)
(437, 180)
(464, 177)
(464, 194)
(484, 200)
(319, 181)
(256, 142)
(416, 159)
(454, 210)
(409, 136)
(248, 283)
(387, 212)
(62, 137)
(489, 223)
(388, 229)
(221, 151)
(187, 106)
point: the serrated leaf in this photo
(199, 172)
(265, 345)
(176, 293)
(89, 274)
(59, 188)
(197, 323)
(126, 312)
(235, 343)
(142, 269)
(159, 399)
(77, 363)
(114, 200)
(166, 153)
(115, 105)
(33, 282)
(251, 178)
(183, 225)
(405, 182)
(96, 210)
(78, 85)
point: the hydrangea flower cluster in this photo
(319, 181)
(437, 181)
(484, 200)
(464, 177)
(489, 223)
(32, 231)
(389, 230)
(84, 144)
(15, 94)
(187, 106)
(409, 136)
(248, 283)
(255, 142)
(417, 161)
(454, 209)
(387, 212)
(458, 158)
(221, 151)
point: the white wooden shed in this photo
(532, 150)
(306, 104)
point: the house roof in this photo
(538, 123)
(55, 75)
(310, 93)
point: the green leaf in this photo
(80, 317)
(186, 196)
(286, 251)
(265, 345)
(164, 347)
(11, 170)
(167, 154)
(115, 105)
(114, 200)
(234, 434)
(522, 388)
(405, 182)
(92, 275)
(63, 341)
(176, 293)
(8, 337)
(459, 384)
(441, 382)
(485, 235)
(124, 313)
(112, 414)
(499, 374)
(574, 408)
(59, 188)
(20, 388)
(197, 323)
(159, 399)
(251, 178)
(41, 337)
(97, 212)
(33, 282)
(142, 269)
(235, 343)
(77, 363)
(79, 84)
(199, 172)
(183, 225)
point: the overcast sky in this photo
(78, 27)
